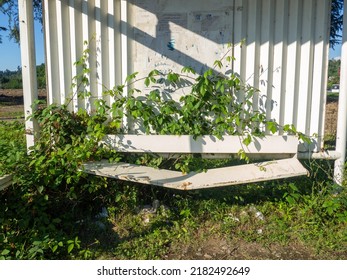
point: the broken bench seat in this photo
(286, 146)
(217, 177)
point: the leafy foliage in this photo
(334, 72)
(13, 79)
(336, 22)
(49, 212)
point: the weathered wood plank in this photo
(218, 177)
(5, 181)
(173, 144)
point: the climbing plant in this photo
(218, 103)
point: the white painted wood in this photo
(86, 38)
(218, 177)
(279, 60)
(266, 57)
(318, 101)
(5, 181)
(238, 35)
(305, 81)
(341, 138)
(124, 50)
(50, 51)
(64, 53)
(292, 55)
(73, 50)
(28, 61)
(282, 38)
(100, 52)
(205, 144)
(252, 48)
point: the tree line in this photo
(13, 79)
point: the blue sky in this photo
(10, 51)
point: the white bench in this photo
(226, 176)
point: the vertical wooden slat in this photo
(28, 61)
(124, 49)
(324, 78)
(85, 35)
(318, 84)
(292, 56)
(93, 54)
(252, 47)
(63, 50)
(279, 59)
(104, 47)
(244, 40)
(266, 57)
(305, 80)
(52, 56)
(73, 52)
(237, 37)
(111, 25)
(98, 50)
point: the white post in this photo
(342, 114)
(124, 50)
(28, 58)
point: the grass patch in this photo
(302, 218)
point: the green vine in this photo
(218, 104)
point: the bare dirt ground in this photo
(331, 117)
(12, 103)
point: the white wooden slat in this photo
(124, 49)
(114, 44)
(111, 25)
(266, 57)
(324, 79)
(205, 144)
(99, 50)
(319, 70)
(73, 51)
(218, 177)
(244, 27)
(51, 50)
(252, 47)
(61, 62)
(80, 47)
(305, 80)
(63, 43)
(28, 63)
(105, 52)
(280, 60)
(292, 57)
(238, 34)
(86, 38)
(93, 57)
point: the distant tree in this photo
(10, 9)
(333, 72)
(336, 22)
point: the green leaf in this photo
(247, 140)
(272, 126)
(147, 82)
(218, 64)
(5, 252)
(70, 247)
